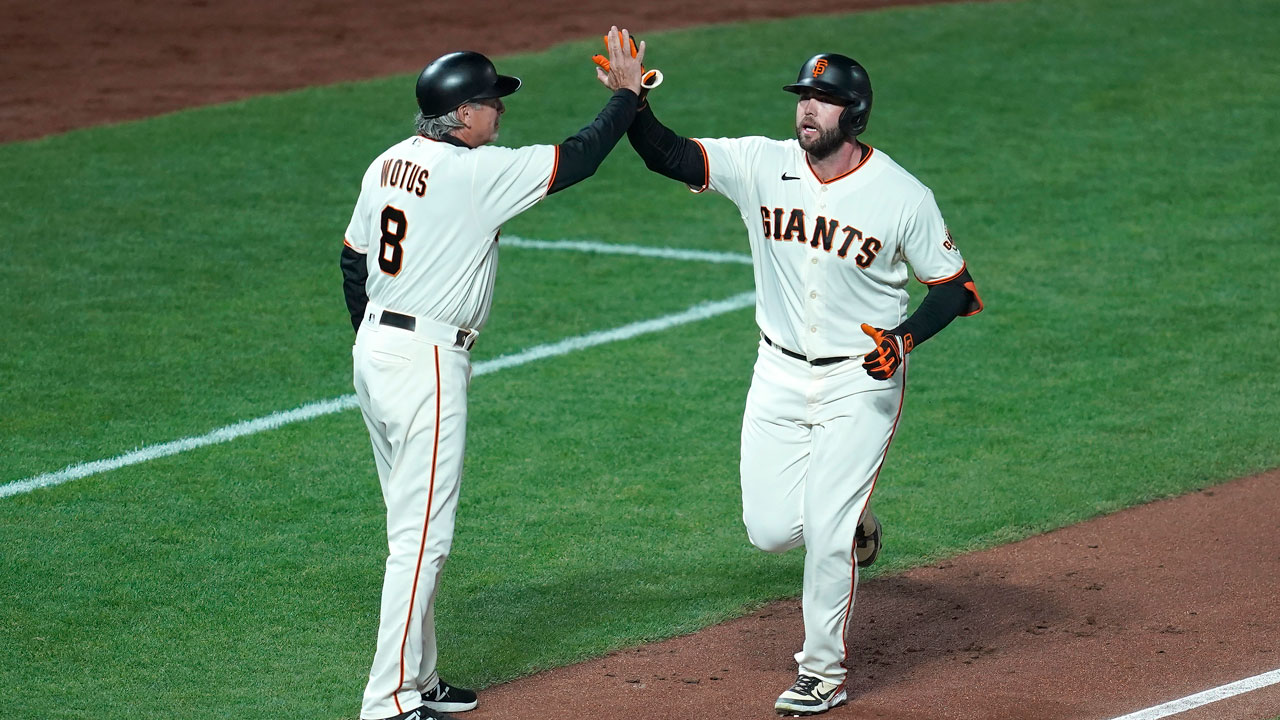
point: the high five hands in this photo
(649, 79)
(623, 68)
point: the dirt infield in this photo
(1092, 621)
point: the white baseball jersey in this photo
(428, 219)
(830, 255)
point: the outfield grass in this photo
(1108, 169)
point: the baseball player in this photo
(418, 269)
(833, 225)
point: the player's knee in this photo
(771, 533)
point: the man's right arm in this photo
(355, 274)
(579, 156)
(665, 152)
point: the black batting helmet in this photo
(840, 77)
(457, 78)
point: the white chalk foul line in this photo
(701, 311)
(637, 250)
(1191, 702)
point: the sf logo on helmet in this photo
(819, 67)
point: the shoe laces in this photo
(806, 683)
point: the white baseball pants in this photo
(813, 442)
(413, 394)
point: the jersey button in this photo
(814, 261)
(813, 293)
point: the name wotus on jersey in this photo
(408, 176)
(825, 234)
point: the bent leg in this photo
(775, 457)
(848, 452)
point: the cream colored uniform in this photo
(427, 219)
(827, 257)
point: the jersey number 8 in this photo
(390, 251)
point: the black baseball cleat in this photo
(867, 539)
(447, 698)
(810, 696)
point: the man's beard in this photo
(821, 147)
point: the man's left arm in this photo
(946, 300)
(929, 248)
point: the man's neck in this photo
(844, 159)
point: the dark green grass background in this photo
(1109, 170)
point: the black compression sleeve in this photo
(665, 152)
(582, 154)
(945, 302)
(355, 272)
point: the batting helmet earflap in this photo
(459, 77)
(840, 77)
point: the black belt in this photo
(396, 320)
(410, 323)
(793, 354)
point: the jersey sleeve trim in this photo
(975, 300)
(866, 155)
(555, 166)
(706, 170)
(949, 278)
(347, 242)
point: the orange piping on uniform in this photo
(706, 169)
(865, 157)
(353, 247)
(945, 279)
(554, 168)
(853, 549)
(426, 524)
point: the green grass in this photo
(1113, 192)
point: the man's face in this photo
(818, 123)
(483, 120)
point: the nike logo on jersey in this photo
(790, 177)
(825, 233)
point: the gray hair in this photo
(437, 128)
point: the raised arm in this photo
(580, 155)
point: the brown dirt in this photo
(71, 63)
(1093, 621)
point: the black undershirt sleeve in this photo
(581, 154)
(355, 272)
(665, 152)
(944, 302)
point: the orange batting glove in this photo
(885, 360)
(647, 77)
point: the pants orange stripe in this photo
(853, 549)
(426, 524)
